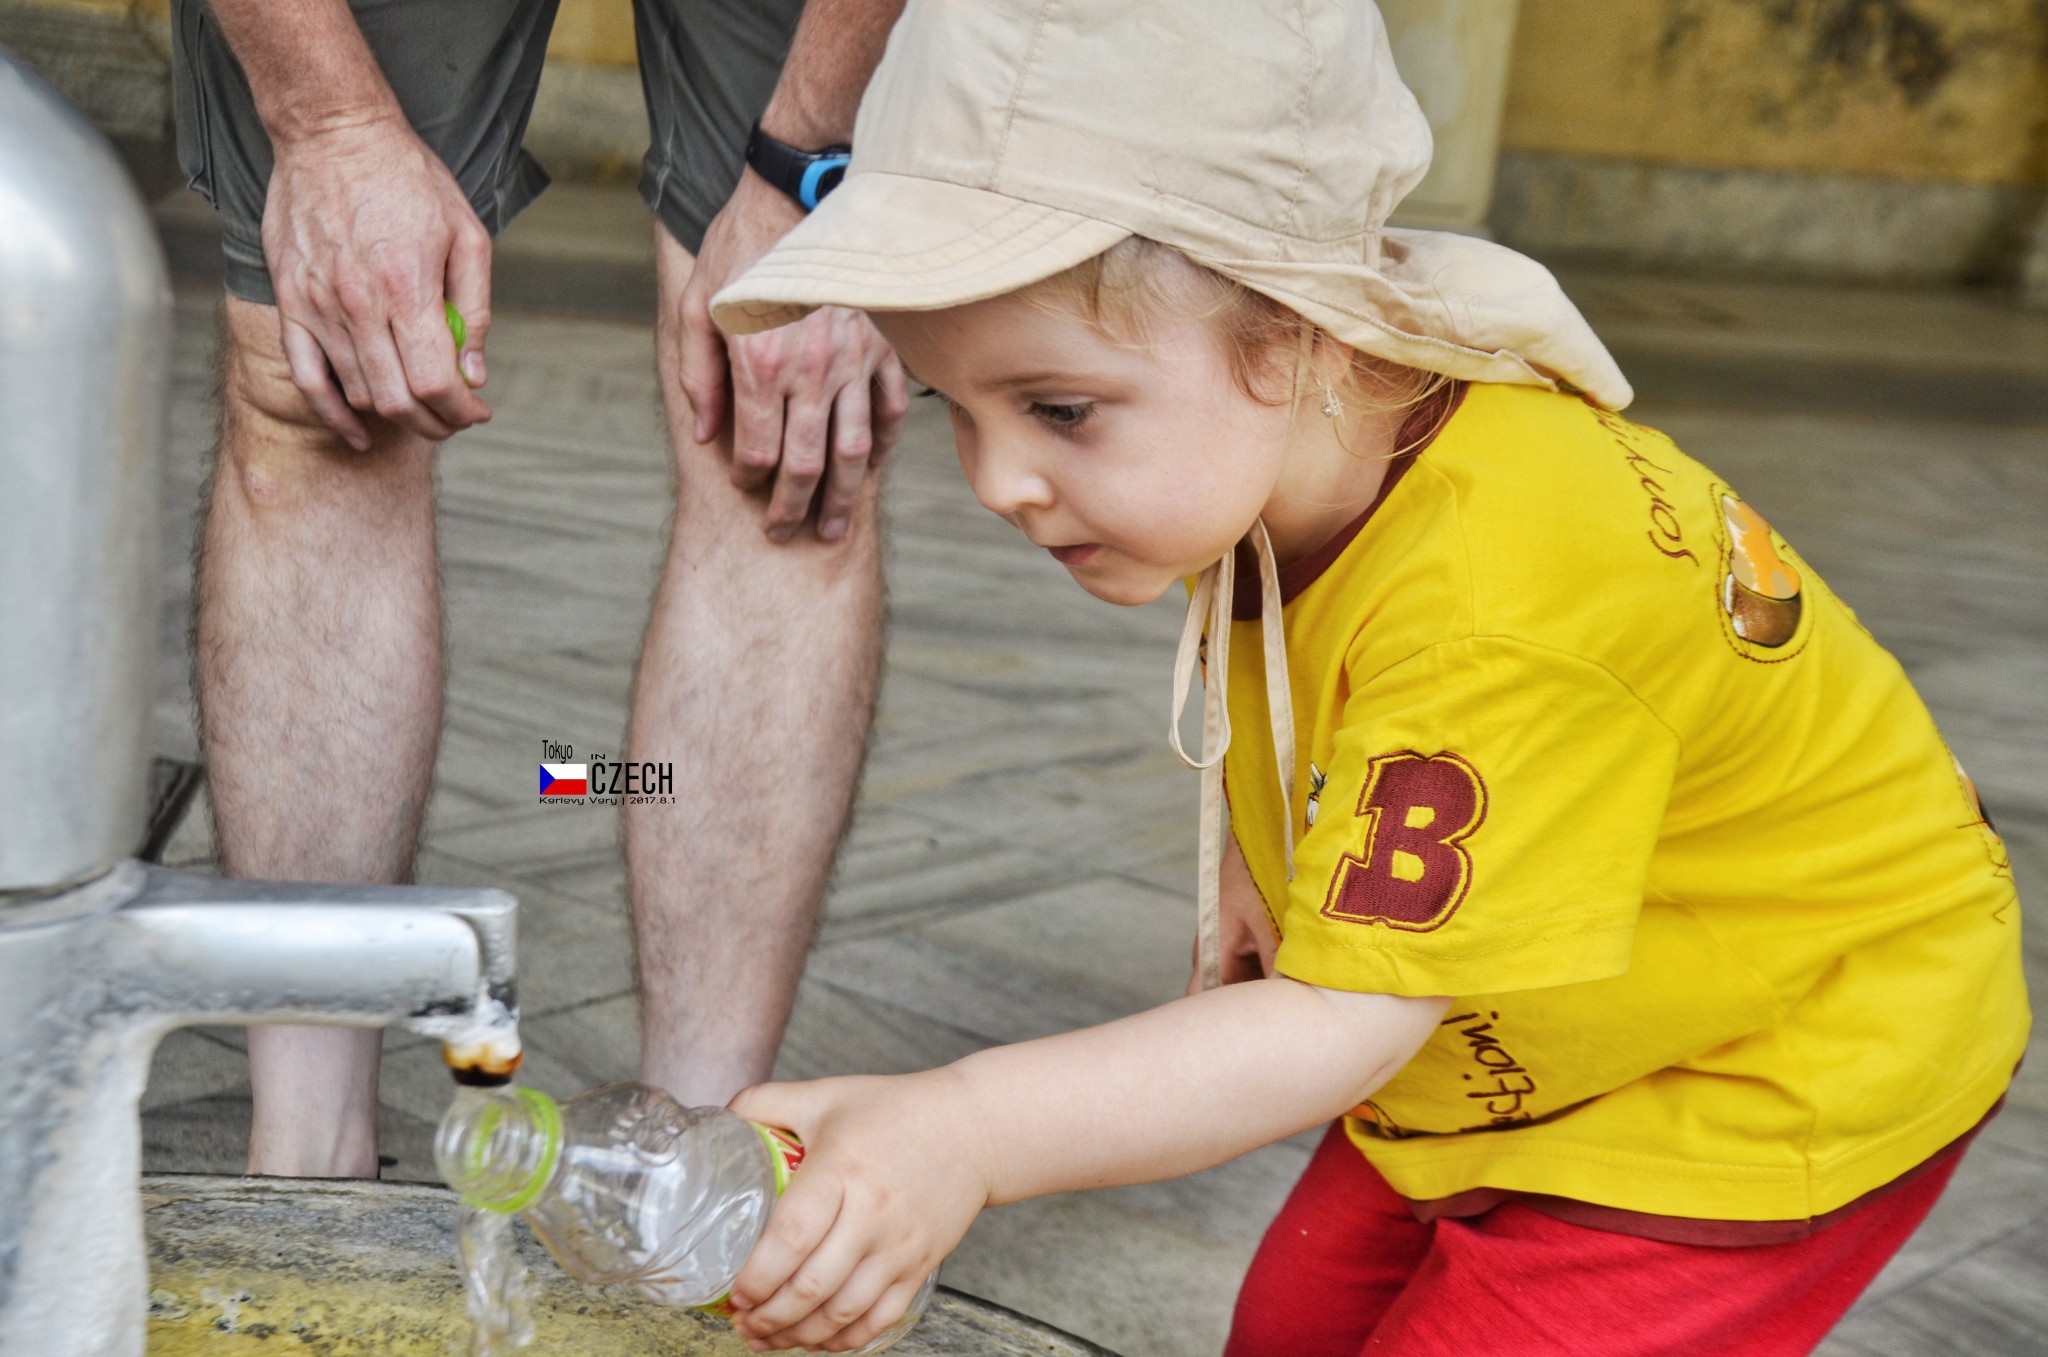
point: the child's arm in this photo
(898, 1167)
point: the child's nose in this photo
(1005, 481)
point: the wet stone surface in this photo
(363, 1269)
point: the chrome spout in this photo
(424, 957)
(92, 978)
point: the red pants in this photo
(1346, 1270)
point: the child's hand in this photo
(894, 1172)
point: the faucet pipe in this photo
(91, 980)
(436, 958)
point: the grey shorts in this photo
(465, 72)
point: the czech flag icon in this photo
(565, 779)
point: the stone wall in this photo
(1903, 140)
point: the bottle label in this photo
(785, 1151)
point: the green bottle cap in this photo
(457, 326)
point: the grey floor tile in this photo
(836, 1031)
(192, 846)
(199, 1135)
(1989, 1304)
(899, 868)
(196, 1063)
(1047, 962)
(1835, 1345)
(534, 837)
(1133, 1269)
(2023, 1124)
(1995, 1192)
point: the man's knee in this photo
(279, 453)
(732, 523)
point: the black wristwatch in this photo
(806, 176)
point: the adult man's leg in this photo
(757, 680)
(318, 638)
(319, 655)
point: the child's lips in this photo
(1078, 554)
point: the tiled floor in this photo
(1023, 849)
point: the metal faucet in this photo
(101, 955)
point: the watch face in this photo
(821, 176)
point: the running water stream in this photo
(496, 1290)
(495, 1285)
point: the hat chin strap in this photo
(1209, 609)
(1215, 591)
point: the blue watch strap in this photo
(821, 176)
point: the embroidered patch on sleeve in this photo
(1411, 870)
(1761, 597)
(1760, 592)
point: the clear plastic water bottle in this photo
(623, 1184)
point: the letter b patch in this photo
(1411, 871)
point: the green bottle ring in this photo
(549, 1117)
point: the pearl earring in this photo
(1332, 407)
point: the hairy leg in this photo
(319, 662)
(757, 680)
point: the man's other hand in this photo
(815, 404)
(367, 234)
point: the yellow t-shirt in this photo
(1585, 745)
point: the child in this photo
(1586, 855)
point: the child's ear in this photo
(1337, 366)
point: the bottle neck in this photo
(498, 1147)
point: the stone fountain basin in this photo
(275, 1267)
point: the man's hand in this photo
(817, 402)
(1248, 944)
(894, 1172)
(366, 233)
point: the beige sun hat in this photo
(1003, 141)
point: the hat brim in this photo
(891, 242)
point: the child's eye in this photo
(1062, 419)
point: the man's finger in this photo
(757, 436)
(390, 393)
(705, 368)
(347, 364)
(806, 425)
(310, 374)
(891, 402)
(330, 331)
(853, 440)
(431, 375)
(469, 291)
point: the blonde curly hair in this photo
(1138, 282)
